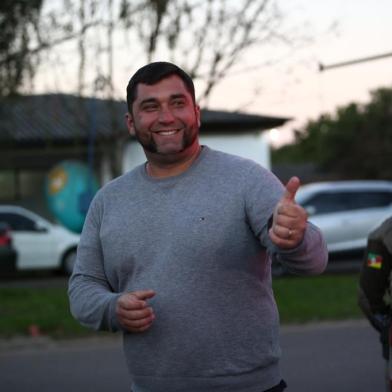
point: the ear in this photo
(129, 121)
(197, 112)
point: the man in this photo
(375, 287)
(177, 252)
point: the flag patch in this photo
(374, 260)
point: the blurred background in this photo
(302, 87)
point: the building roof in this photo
(214, 120)
(64, 119)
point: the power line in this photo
(323, 67)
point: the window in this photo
(21, 184)
(7, 185)
(329, 202)
(17, 222)
(368, 199)
(323, 203)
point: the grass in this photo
(317, 298)
(300, 300)
(23, 309)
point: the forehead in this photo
(165, 88)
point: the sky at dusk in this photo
(290, 85)
(341, 31)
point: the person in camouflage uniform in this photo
(375, 287)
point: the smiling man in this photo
(177, 253)
(165, 120)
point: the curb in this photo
(20, 343)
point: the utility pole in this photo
(323, 67)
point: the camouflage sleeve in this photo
(375, 277)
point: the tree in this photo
(18, 26)
(83, 46)
(207, 38)
(355, 143)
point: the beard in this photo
(190, 134)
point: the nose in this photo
(165, 116)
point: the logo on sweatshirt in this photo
(374, 260)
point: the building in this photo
(39, 131)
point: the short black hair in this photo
(153, 73)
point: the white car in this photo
(39, 243)
(346, 211)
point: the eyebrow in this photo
(174, 96)
(154, 100)
(148, 100)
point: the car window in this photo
(330, 202)
(323, 203)
(18, 222)
(372, 199)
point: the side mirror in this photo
(311, 210)
(40, 227)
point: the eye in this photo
(178, 103)
(150, 107)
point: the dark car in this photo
(7, 251)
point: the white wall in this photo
(248, 145)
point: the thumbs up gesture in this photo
(289, 218)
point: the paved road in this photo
(338, 357)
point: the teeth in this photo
(167, 133)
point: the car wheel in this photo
(69, 262)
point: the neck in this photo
(164, 166)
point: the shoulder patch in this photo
(374, 260)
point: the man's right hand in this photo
(133, 312)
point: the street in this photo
(342, 356)
(339, 357)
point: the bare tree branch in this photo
(208, 38)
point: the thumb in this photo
(143, 294)
(291, 188)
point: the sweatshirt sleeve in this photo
(310, 257)
(92, 299)
(263, 193)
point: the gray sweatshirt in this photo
(200, 241)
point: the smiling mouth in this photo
(168, 132)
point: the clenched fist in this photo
(133, 311)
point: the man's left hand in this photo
(289, 219)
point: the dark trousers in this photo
(277, 388)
